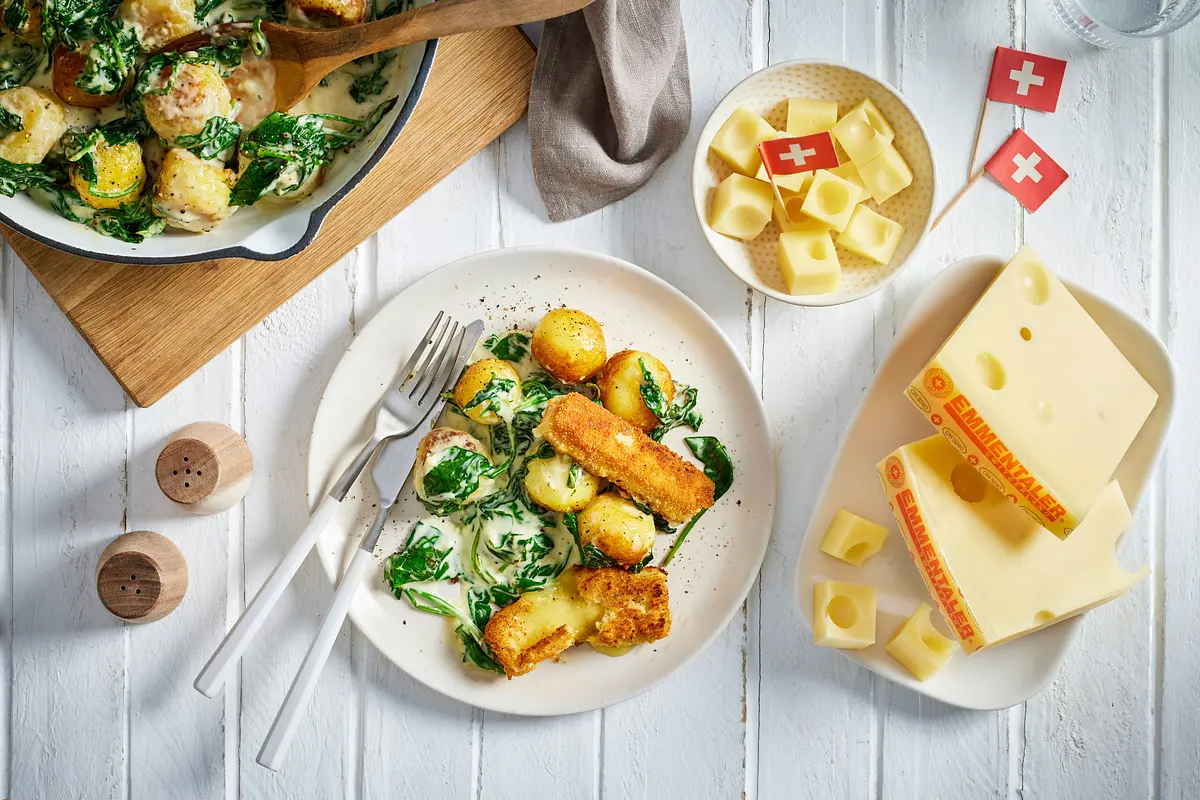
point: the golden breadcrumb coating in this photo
(609, 447)
(609, 607)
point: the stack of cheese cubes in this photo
(1009, 512)
(818, 204)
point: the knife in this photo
(393, 467)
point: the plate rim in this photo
(700, 156)
(758, 414)
(1074, 624)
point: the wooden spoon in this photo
(303, 56)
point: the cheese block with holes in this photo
(1035, 395)
(808, 262)
(994, 573)
(843, 615)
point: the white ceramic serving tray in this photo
(766, 92)
(885, 420)
(714, 570)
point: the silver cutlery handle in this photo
(279, 738)
(220, 666)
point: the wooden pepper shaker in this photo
(205, 467)
(141, 576)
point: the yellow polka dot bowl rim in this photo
(766, 92)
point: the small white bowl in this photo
(766, 93)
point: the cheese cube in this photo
(741, 207)
(852, 538)
(877, 120)
(793, 206)
(861, 140)
(804, 223)
(808, 262)
(807, 116)
(797, 182)
(994, 573)
(871, 235)
(919, 646)
(886, 174)
(737, 140)
(843, 615)
(1033, 392)
(831, 199)
(848, 172)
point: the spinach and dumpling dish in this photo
(548, 487)
(133, 143)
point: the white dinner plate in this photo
(713, 571)
(885, 420)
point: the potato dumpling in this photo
(192, 194)
(432, 451)
(326, 13)
(569, 344)
(68, 66)
(158, 22)
(550, 484)
(620, 385)
(119, 171)
(618, 528)
(199, 93)
(505, 393)
(44, 121)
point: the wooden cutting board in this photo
(154, 326)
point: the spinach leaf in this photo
(374, 82)
(455, 478)
(10, 122)
(218, 135)
(16, 177)
(111, 61)
(715, 458)
(475, 651)
(681, 411)
(494, 396)
(660, 522)
(718, 467)
(589, 555)
(204, 8)
(132, 222)
(573, 475)
(16, 15)
(420, 559)
(479, 603)
(19, 60)
(285, 151)
(512, 346)
(158, 74)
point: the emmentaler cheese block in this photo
(995, 573)
(1034, 395)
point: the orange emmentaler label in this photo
(928, 558)
(961, 424)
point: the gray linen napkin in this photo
(610, 102)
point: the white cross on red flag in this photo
(1026, 79)
(798, 154)
(1026, 170)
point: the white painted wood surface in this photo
(97, 709)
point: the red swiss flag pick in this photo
(1026, 170)
(798, 154)
(1026, 79)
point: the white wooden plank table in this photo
(97, 709)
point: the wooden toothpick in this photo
(954, 200)
(978, 135)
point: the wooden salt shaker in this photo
(205, 467)
(141, 576)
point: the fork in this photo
(407, 401)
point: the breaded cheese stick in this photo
(609, 447)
